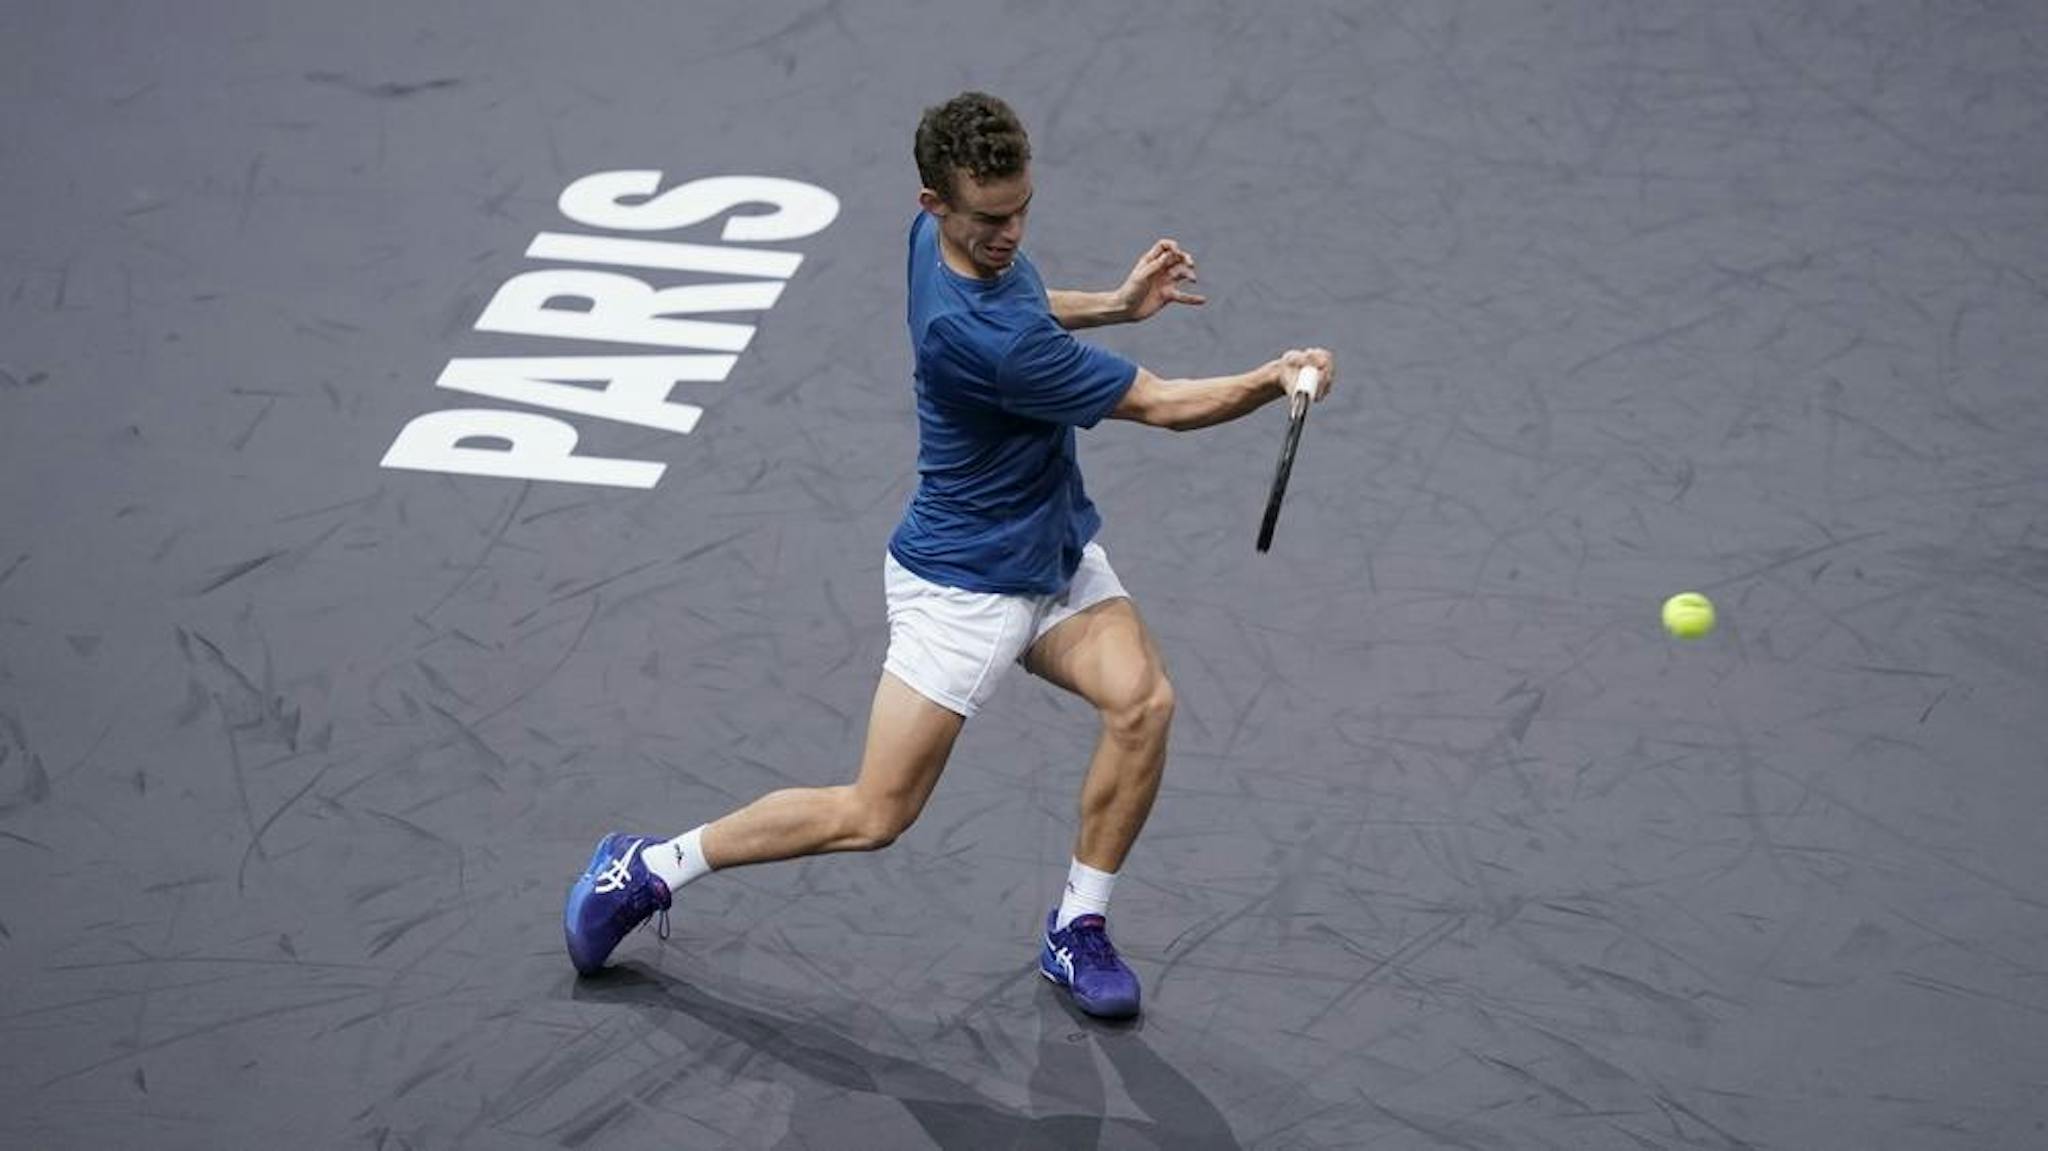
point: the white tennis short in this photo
(953, 646)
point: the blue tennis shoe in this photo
(615, 895)
(1082, 960)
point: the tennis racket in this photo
(1297, 416)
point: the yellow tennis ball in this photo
(1688, 615)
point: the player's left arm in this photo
(1183, 405)
(1156, 280)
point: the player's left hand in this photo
(1293, 360)
(1156, 281)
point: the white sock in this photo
(1087, 894)
(679, 860)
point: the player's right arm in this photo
(1183, 405)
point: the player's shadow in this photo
(1068, 1095)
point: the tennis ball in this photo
(1688, 615)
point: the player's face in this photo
(984, 221)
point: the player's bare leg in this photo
(909, 739)
(631, 878)
(1106, 656)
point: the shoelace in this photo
(645, 901)
(1093, 942)
(639, 905)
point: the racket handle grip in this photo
(1305, 381)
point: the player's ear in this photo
(931, 202)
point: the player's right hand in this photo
(1295, 359)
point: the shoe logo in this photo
(617, 874)
(1066, 959)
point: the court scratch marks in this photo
(1202, 934)
(236, 571)
(384, 90)
(496, 536)
(467, 735)
(1396, 961)
(1670, 1105)
(1957, 990)
(256, 837)
(206, 1029)
(249, 192)
(1693, 1021)
(241, 440)
(586, 588)
(35, 780)
(1522, 1074)
(1443, 1129)
(1817, 791)
(23, 839)
(243, 706)
(596, 604)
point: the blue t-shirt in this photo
(1000, 389)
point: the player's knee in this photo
(874, 823)
(1145, 714)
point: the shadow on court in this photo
(818, 1057)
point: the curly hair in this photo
(972, 131)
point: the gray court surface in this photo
(299, 754)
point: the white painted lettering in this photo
(624, 310)
(635, 391)
(610, 307)
(664, 254)
(800, 209)
(535, 448)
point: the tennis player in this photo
(993, 564)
